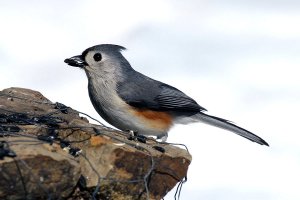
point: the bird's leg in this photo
(133, 135)
(162, 137)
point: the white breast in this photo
(113, 109)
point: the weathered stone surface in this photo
(121, 168)
(37, 171)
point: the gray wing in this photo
(143, 92)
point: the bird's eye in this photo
(97, 57)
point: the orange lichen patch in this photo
(123, 174)
(97, 140)
(156, 119)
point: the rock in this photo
(37, 172)
(49, 151)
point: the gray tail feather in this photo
(227, 125)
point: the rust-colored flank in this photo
(155, 119)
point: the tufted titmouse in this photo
(132, 101)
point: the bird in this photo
(132, 101)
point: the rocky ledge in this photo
(49, 151)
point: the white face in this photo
(100, 64)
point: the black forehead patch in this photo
(104, 47)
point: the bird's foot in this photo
(162, 138)
(133, 135)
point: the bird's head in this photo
(100, 60)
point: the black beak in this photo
(76, 61)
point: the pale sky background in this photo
(238, 59)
